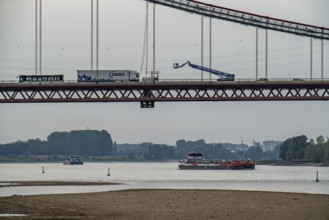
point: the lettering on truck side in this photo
(117, 74)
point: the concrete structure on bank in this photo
(270, 145)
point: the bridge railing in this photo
(190, 80)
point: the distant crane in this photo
(223, 76)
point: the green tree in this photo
(318, 152)
(293, 148)
(131, 156)
(320, 140)
(254, 153)
(115, 147)
(82, 142)
(326, 151)
(16, 148)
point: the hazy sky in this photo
(66, 48)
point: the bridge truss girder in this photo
(164, 92)
(246, 18)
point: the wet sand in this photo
(52, 183)
(169, 204)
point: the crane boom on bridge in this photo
(224, 76)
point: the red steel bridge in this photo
(149, 92)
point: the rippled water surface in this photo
(162, 175)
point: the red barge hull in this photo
(236, 165)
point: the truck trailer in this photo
(108, 76)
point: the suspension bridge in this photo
(149, 92)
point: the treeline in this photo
(152, 151)
(299, 148)
(223, 151)
(83, 142)
(209, 151)
(99, 143)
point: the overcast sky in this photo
(66, 48)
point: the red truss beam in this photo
(162, 92)
(246, 18)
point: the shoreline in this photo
(54, 183)
(292, 163)
(39, 187)
(262, 162)
(169, 204)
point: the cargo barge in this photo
(195, 161)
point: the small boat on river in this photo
(195, 161)
(73, 160)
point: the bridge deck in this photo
(164, 91)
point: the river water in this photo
(161, 175)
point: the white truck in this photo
(108, 76)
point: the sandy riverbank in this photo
(52, 183)
(169, 204)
